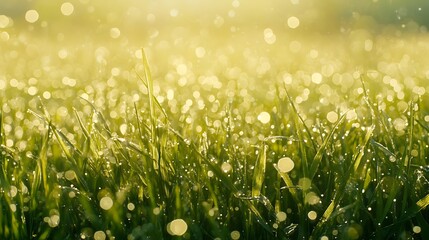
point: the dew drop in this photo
(285, 164)
(312, 215)
(131, 206)
(235, 235)
(316, 78)
(156, 211)
(99, 235)
(32, 90)
(177, 227)
(70, 175)
(106, 203)
(281, 216)
(54, 221)
(13, 191)
(12, 207)
(226, 167)
(332, 117)
(264, 117)
(417, 229)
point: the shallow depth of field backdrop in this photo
(257, 119)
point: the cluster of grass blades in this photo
(158, 182)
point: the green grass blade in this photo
(82, 126)
(100, 117)
(153, 97)
(383, 148)
(153, 117)
(289, 185)
(259, 171)
(361, 152)
(318, 158)
(342, 186)
(423, 203)
(42, 166)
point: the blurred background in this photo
(205, 53)
(322, 15)
(190, 40)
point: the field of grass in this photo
(219, 129)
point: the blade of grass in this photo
(362, 148)
(342, 186)
(318, 158)
(259, 171)
(289, 185)
(226, 181)
(423, 202)
(301, 140)
(100, 117)
(152, 112)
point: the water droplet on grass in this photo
(235, 235)
(12, 207)
(70, 175)
(131, 206)
(304, 183)
(177, 227)
(54, 221)
(285, 164)
(417, 229)
(264, 117)
(226, 167)
(106, 203)
(312, 198)
(312, 215)
(32, 90)
(332, 117)
(281, 216)
(99, 235)
(13, 191)
(316, 78)
(156, 211)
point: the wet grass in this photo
(89, 175)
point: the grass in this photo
(353, 179)
(219, 129)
